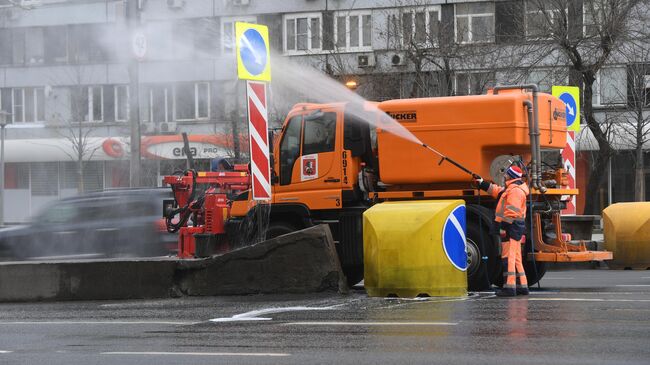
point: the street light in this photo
(352, 85)
(3, 123)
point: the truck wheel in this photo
(484, 265)
(278, 229)
(480, 253)
(353, 274)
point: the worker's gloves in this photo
(482, 184)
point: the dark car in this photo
(113, 223)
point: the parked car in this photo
(112, 223)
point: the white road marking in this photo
(166, 353)
(179, 323)
(5, 352)
(558, 278)
(588, 293)
(334, 323)
(253, 315)
(409, 301)
(634, 285)
(587, 300)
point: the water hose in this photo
(444, 158)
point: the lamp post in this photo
(3, 124)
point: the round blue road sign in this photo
(453, 238)
(253, 51)
(571, 108)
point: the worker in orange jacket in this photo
(510, 216)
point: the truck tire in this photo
(353, 274)
(278, 228)
(483, 263)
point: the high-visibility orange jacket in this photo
(511, 205)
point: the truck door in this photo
(310, 167)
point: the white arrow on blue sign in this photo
(571, 108)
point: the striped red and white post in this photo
(258, 135)
(569, 158)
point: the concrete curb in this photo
(300, 262)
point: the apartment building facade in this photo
(64, 79)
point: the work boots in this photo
(522, 290)
(505, 292)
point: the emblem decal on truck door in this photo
(309, 170)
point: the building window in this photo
(421, 25)
(191, 101)
(27, 104)
(56, 44)
(475, 22)
(86, 43)
(27, 46)
(545, 78)
(353, 30)
(202, 102)
(638, 91)
(542, 19)
(90, 104)
(159, 103)
(6, 45)
(473, 83)
(18, 46)
(121, 95)
(34, 46)
(610, 86)
(228, 31)
(302, 32)
(592, 18)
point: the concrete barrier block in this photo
(86, 280)
(300, 262)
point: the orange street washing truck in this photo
(329, 165)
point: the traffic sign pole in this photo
(258, 139)
(570, 95)
(254, 66)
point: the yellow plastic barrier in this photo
(415, 248)
(627, 234)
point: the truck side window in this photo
(320, 134)
(289, 149)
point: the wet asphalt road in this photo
(579, 317)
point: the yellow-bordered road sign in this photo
(570, 95)
(253, 52)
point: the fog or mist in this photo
(172, 49)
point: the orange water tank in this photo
(472, 130)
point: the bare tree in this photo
(585, 47)
(74, 119)
(635, 118)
